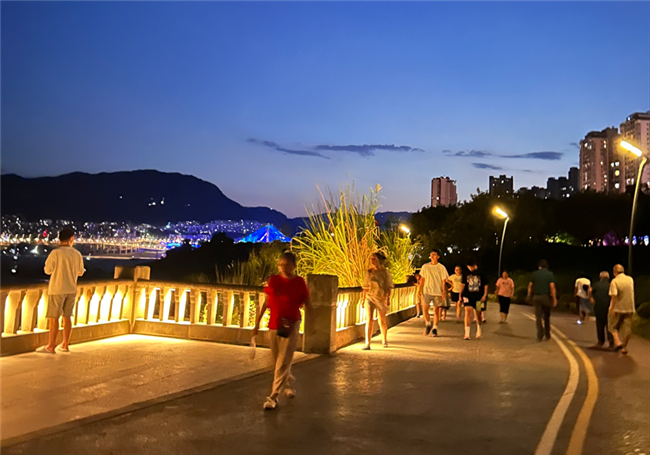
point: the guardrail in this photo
(196, 311)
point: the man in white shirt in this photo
(621, 308)
(64, 265)
(434, 275)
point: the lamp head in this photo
(631, 148)
(500, 212)
(405, 229)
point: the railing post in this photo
(227, 308)
(320, 325)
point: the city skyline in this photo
(394, 94)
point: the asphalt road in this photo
(438, 395)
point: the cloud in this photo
(274, 146)
(486, 166)
(473, 153)
(548, 156)
(575, 144)
(530, 171)
(368, 149)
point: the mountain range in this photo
(142, 196)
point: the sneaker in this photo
(434, 333)
(44, 350)
(366, 348)
(270, 403)
(290, 393)
(60, 348)
(465, 337)
(428, 330)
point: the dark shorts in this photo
(473, 301)
(454, 297)
(504, 304)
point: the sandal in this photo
(366, 348)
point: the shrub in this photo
(644, 310)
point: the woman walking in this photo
(505, 291)
(456, 280)
(286, 293)
(377, 287)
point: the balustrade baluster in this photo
(229, 302)
(3, 297)
(245, 301)
(213, 303)
(195, 306)
(11, 311)
(29, 313)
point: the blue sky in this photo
(268, 100)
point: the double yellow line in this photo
(579, 433)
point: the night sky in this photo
(268, 100)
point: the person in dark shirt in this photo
(541, 290)
(601, 299)
(474, 287)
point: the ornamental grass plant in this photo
(341, 235)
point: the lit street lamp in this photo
(504, 215)
(639, 153)
(405, 229)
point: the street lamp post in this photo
(504, 215)
(405, 229)
(637, 151)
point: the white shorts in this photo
(437, 300)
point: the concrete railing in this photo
(196, 311)
(102, 309)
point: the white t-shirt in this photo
(64, 265)
(433, 276)
(622, 286)
(580, 292)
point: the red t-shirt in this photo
(285, 297)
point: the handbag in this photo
(285, 327)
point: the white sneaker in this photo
(270, 403)
(290, 393)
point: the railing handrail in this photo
(192, 284)
(359, 288)
(44, 284)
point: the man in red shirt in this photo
(287, 293)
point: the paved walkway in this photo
(421, 395)
(41, 391)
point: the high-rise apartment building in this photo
(635, 129)
(597, 151)
(563, 187)
(501, 186)
(443, 192)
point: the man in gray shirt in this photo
(64, 265)
(621, 308)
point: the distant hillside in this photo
(145, 196)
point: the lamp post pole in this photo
(503, 236)
(634, 206)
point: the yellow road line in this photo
(546, 443)
(579, 433)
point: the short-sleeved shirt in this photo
(377, 284)
(64, 265)
(600, 293)
(456, 281)
(542, 279)
(622, 286)
(580, 290)
(505, 287)
(475, 282)
(286, 296)
(433, 276)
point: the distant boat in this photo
(265, 234)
